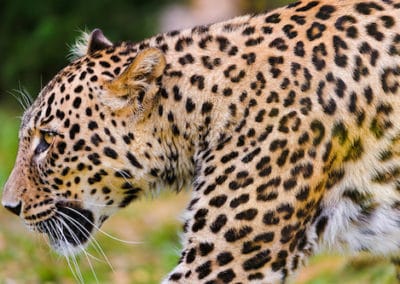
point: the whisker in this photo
(151, 193)
(93, 241)
(47, 229)
(123, 174)
(49, 239)
(69, 255)
(55, 231)
(91, 267)
(19, 100)
(23, 97)
(101, 231)
(96, 258)
(66, 226)
(77, 241)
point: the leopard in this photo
(281, 125)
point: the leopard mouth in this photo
(69, 227)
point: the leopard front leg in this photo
(243, 225)
(219, 248)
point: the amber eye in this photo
(46, 138)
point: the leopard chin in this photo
(66, 249)
(69, 230)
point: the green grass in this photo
(25, 257)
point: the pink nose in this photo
(14, 209)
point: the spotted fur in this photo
(284, 125)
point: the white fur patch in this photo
(348, 229)
(80, 47)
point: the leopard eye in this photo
(46, 138)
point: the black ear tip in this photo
(98, 41)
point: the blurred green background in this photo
(34, 38)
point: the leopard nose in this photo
(15, 209)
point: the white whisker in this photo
(54, 229)
(73, 235)
(93, 241)
(47, 229)
(68, 254)
(123, 173)
(23, 97)
(91, 266)
(103, 232)
(98, 259)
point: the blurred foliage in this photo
(8, 143)
(35, 34)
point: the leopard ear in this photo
(97, 41)
(87, 44)
(136, 88)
